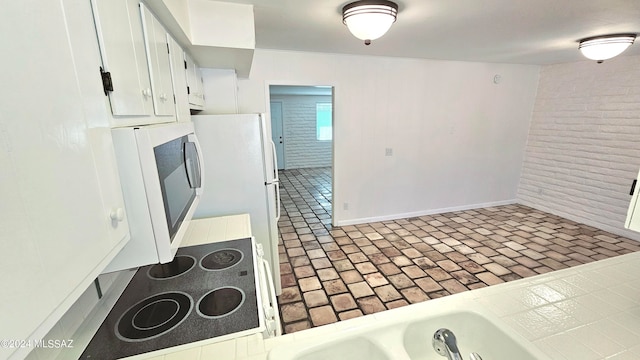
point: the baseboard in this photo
(423, 213)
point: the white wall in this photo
(458, 139)
(301, 147)
(583, 150)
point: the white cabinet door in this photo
(179, 76)
(119, 32)
(113, 207)
(194, 83)
(158, 59)
(58, 181)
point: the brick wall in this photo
(583, 148)
(301, 149)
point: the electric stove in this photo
(207, 291)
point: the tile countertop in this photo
(215, 229)
(586, 312)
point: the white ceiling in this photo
(506, 31)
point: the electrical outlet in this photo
(388, 152)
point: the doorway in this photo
(302, 125)
(302, 131)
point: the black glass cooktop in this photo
(206, 291)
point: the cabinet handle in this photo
(117, 214)
(163, 97)
(146, 92)
(633, 186)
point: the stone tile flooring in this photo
(337, 273)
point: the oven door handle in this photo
(272, 296)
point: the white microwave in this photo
(161, 177)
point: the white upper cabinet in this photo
(159, 67)
(194, 83)
(145, 74)
(135, 61)
(122, 47)
(179, 77)
(63, 217)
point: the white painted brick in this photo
(301, 149)
(583, 148)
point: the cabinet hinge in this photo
(185, 64)
(168, 52)
(107, 83)
(98, 288)
(188, 91)
(633, 186)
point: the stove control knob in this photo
(269, 313)
(117, 214)
(259, 250)
(271, 325)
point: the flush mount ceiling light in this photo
(369, 20)
(605, 47)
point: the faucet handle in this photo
(444, 343)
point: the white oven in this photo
(161, 176)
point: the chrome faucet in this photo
(444, 343)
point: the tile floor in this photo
(337, 273)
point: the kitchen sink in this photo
(474, 333)
(407, 335)
(357, 348)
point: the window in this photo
(324, 115)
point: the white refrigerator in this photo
(241, 176)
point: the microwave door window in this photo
(177, 193)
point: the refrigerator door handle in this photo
(277, 185)
(275, 161)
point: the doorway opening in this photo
(302, 131)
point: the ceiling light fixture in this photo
(605, 47)
(369, 20)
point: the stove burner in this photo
(220, 302)
(180, 265)
(221, 259)
(153, 316)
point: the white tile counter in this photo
(223, 228)
(586, 312)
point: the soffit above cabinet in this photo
(217, 34)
